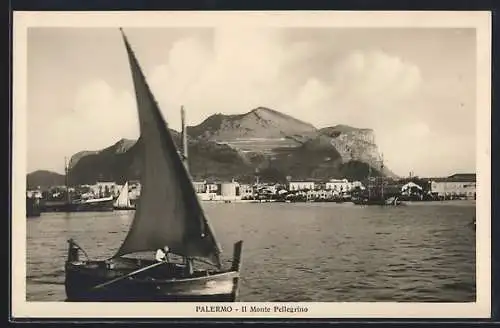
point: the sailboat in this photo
(123, 200)
(168, 214)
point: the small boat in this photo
(69, 205)
(393, 200)
(102, 204)
(168, 214)
(123, 200)
(377, 196)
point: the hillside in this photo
(44, 179)
(263, 140)
(261, 130)
(119, 163)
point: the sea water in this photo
(311, 252)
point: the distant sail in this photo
(123, 199)
(168, 212)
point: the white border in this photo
(479, 20)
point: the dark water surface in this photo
(298, 252)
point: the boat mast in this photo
(66, 179)
(188, 261)
(369, 180)
(184, 139)
(382, 172)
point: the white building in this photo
(205, 191)
(212, 187)
(338, 185)
(200, 187)
(105, 189)
(300, 185)
(229, 191)
(458, 185)
(246, 191)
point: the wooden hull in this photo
(100, 206)
(204, 287)
(165, 283)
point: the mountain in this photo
(263, 141)
(259, 131)
(44, 179)
(259, 123)
(354, 144)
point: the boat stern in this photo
(236, 266)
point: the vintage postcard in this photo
(251, 164)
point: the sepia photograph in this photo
(251, 164)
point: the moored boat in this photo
(375, 193)
(123, 200)
(168, 214)
(103, 204)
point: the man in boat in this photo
(162, 254)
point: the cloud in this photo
(236, 70)
(100, 115)
(241, 70)
(374, 80)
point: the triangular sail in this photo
(168, 212)
(123, 199)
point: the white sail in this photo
(123, 199)
(168, 212)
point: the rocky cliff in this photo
(263, 141)
(356, 144)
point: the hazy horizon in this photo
(415, 87)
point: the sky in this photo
(415, 87)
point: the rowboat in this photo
(168, 213)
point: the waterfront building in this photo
(212, 188)
(200, 187)
(105, 189)
(246, 191)
(205, 191)
(457, 185)
(229, 190)
(300, 185)
(338, 185)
